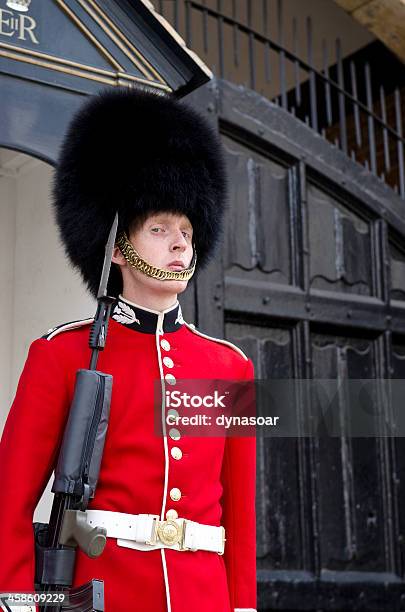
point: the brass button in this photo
(170, 379)
(171, 515)
(168, 362)
(165, 344)
(176, 452)
(174, 434)
(173, 413)
(175, 494)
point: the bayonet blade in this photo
(109, 248)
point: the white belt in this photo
(148, 532)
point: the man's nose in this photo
(179, 242)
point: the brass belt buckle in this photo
(170, 532)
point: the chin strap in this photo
(136, 261)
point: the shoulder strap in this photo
(54, 331)
(191, 327)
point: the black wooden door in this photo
(311, 283)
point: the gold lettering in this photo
(5, 22)
(27, 28)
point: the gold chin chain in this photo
(136, 261)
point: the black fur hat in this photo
(135, 151)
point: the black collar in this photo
(146, 320)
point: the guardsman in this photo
(179, 510)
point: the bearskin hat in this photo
(135, 151)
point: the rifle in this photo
(77, 472)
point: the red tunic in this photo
(215, 475)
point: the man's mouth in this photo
(176, 265)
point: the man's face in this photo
(164, 240)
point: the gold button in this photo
(168, 362)
(175, 494)
(170, 379)
(171, 515)
(165, 344)
(174, 434)
(173, 413)
(176, 452)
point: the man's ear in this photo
(118, 257)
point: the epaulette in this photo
(54, 331)
(220, 340)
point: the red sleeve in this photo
(239, 516)
(28, 449)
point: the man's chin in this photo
(174, 286)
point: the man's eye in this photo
(186, 234)
(157, 228)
